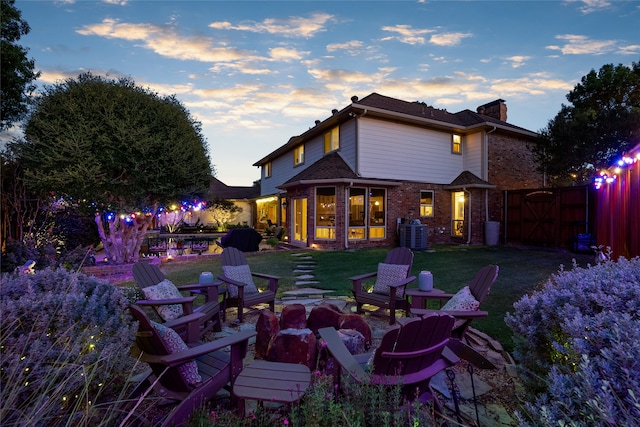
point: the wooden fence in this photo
(551, 217)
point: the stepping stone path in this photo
(304, 268)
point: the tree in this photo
(602, 122)
(16, 70)
(222, 210)
(117, 149)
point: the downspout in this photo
(469, 225)
(356, 117)
(486, 162)
(506, 219)
(346, 215)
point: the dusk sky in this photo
(256, 73)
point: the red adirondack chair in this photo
(147, 275)
(174, 365)
(388, 291)
(409, 355)
(242, 292)
(480, 286)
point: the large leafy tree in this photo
(116, 148)
(16, 70)
(601, 122)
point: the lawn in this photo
(521, 271)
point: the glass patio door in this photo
(300, 220)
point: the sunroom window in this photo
(326, 213)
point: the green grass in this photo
(521, 271)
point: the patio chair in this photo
(169, 304)
(187, 376)
(464, 307)
(392, 278)
(409, 355)
(242, 292)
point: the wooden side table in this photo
(419, 298)
(271, 382)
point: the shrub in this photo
(358, 405)
(64, 348)
(577, 340)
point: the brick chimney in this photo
(496, 109)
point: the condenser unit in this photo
(413, 236)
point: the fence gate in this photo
(550, 217)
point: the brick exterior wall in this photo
(512, 165)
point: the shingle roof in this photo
(463, 118)
(387, 106)
(468, 179)
(331, 166)
(218, 189)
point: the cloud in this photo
(448, 39)
(518, 61)
(415, 36)
(346, 76)
(294, 26)
(407, 34)
(583, 45)
(352, 47)
(589, 6)
(164, 41)
(632, 49)
(286, 55)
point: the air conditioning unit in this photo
(413, 236)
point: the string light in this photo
(609, 177)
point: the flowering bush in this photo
(578, 339)
(64, 344)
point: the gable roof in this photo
(468, 180)
(464, 119)
(330, 168)
(413, 113)
(218, 189)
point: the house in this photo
(368, 170)
(243, 197)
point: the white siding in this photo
(282, 168)
(394, 151)
(473, 155)
(348, 143)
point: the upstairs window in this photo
(332, 140)
(426, 203)
(267, 170)
(456, 144)
(298, 155)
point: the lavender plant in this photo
(64, 347)
(577, 338)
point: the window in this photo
(457, 216)
(367, 213)
(377, 211)
(456, 144)
(298, 155)
(326, 213)
(357, 213)
(332, 140)
(267, 170)
(426, 203)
